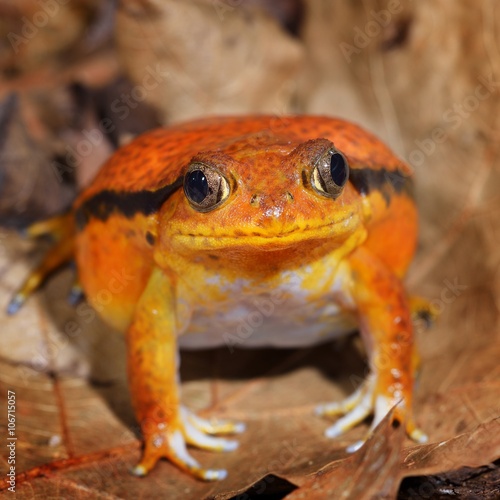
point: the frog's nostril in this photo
(259, 201)
(255, 200)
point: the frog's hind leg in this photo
(61, 229)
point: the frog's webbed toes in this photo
(366, 401)
(170, 442)
(171, 445)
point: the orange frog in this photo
(211, 218)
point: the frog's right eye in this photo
(205, 187)
(330, 174)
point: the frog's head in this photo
(264, 194)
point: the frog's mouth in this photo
(254, 239)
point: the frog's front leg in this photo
(385, 322)
(153, 364)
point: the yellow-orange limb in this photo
(153, 373)
(61, 228)
(58, 227)
(386, 326)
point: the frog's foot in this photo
(61, 229)
(76, 294)
(365, 401)
(422, 310)
(171, 444)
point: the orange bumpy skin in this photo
(188, 230)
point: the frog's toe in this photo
(76, 294)
(212, 426)
(348, 404)
(199, 432)
(419, 436)
(416, 434)
(423, 310)
(356, 415)
(16, 303)
(197, 438)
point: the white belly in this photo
(289, 316)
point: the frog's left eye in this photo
(330, 174)
(205, 187)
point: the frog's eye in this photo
(330, 174)
(205, 187)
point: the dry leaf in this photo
(28, 190)
(200, 58)
(50, 32)
(425, 78)
(371, 472)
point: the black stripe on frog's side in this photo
(366, 180)
(107, 202)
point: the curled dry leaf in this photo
(371, 472)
